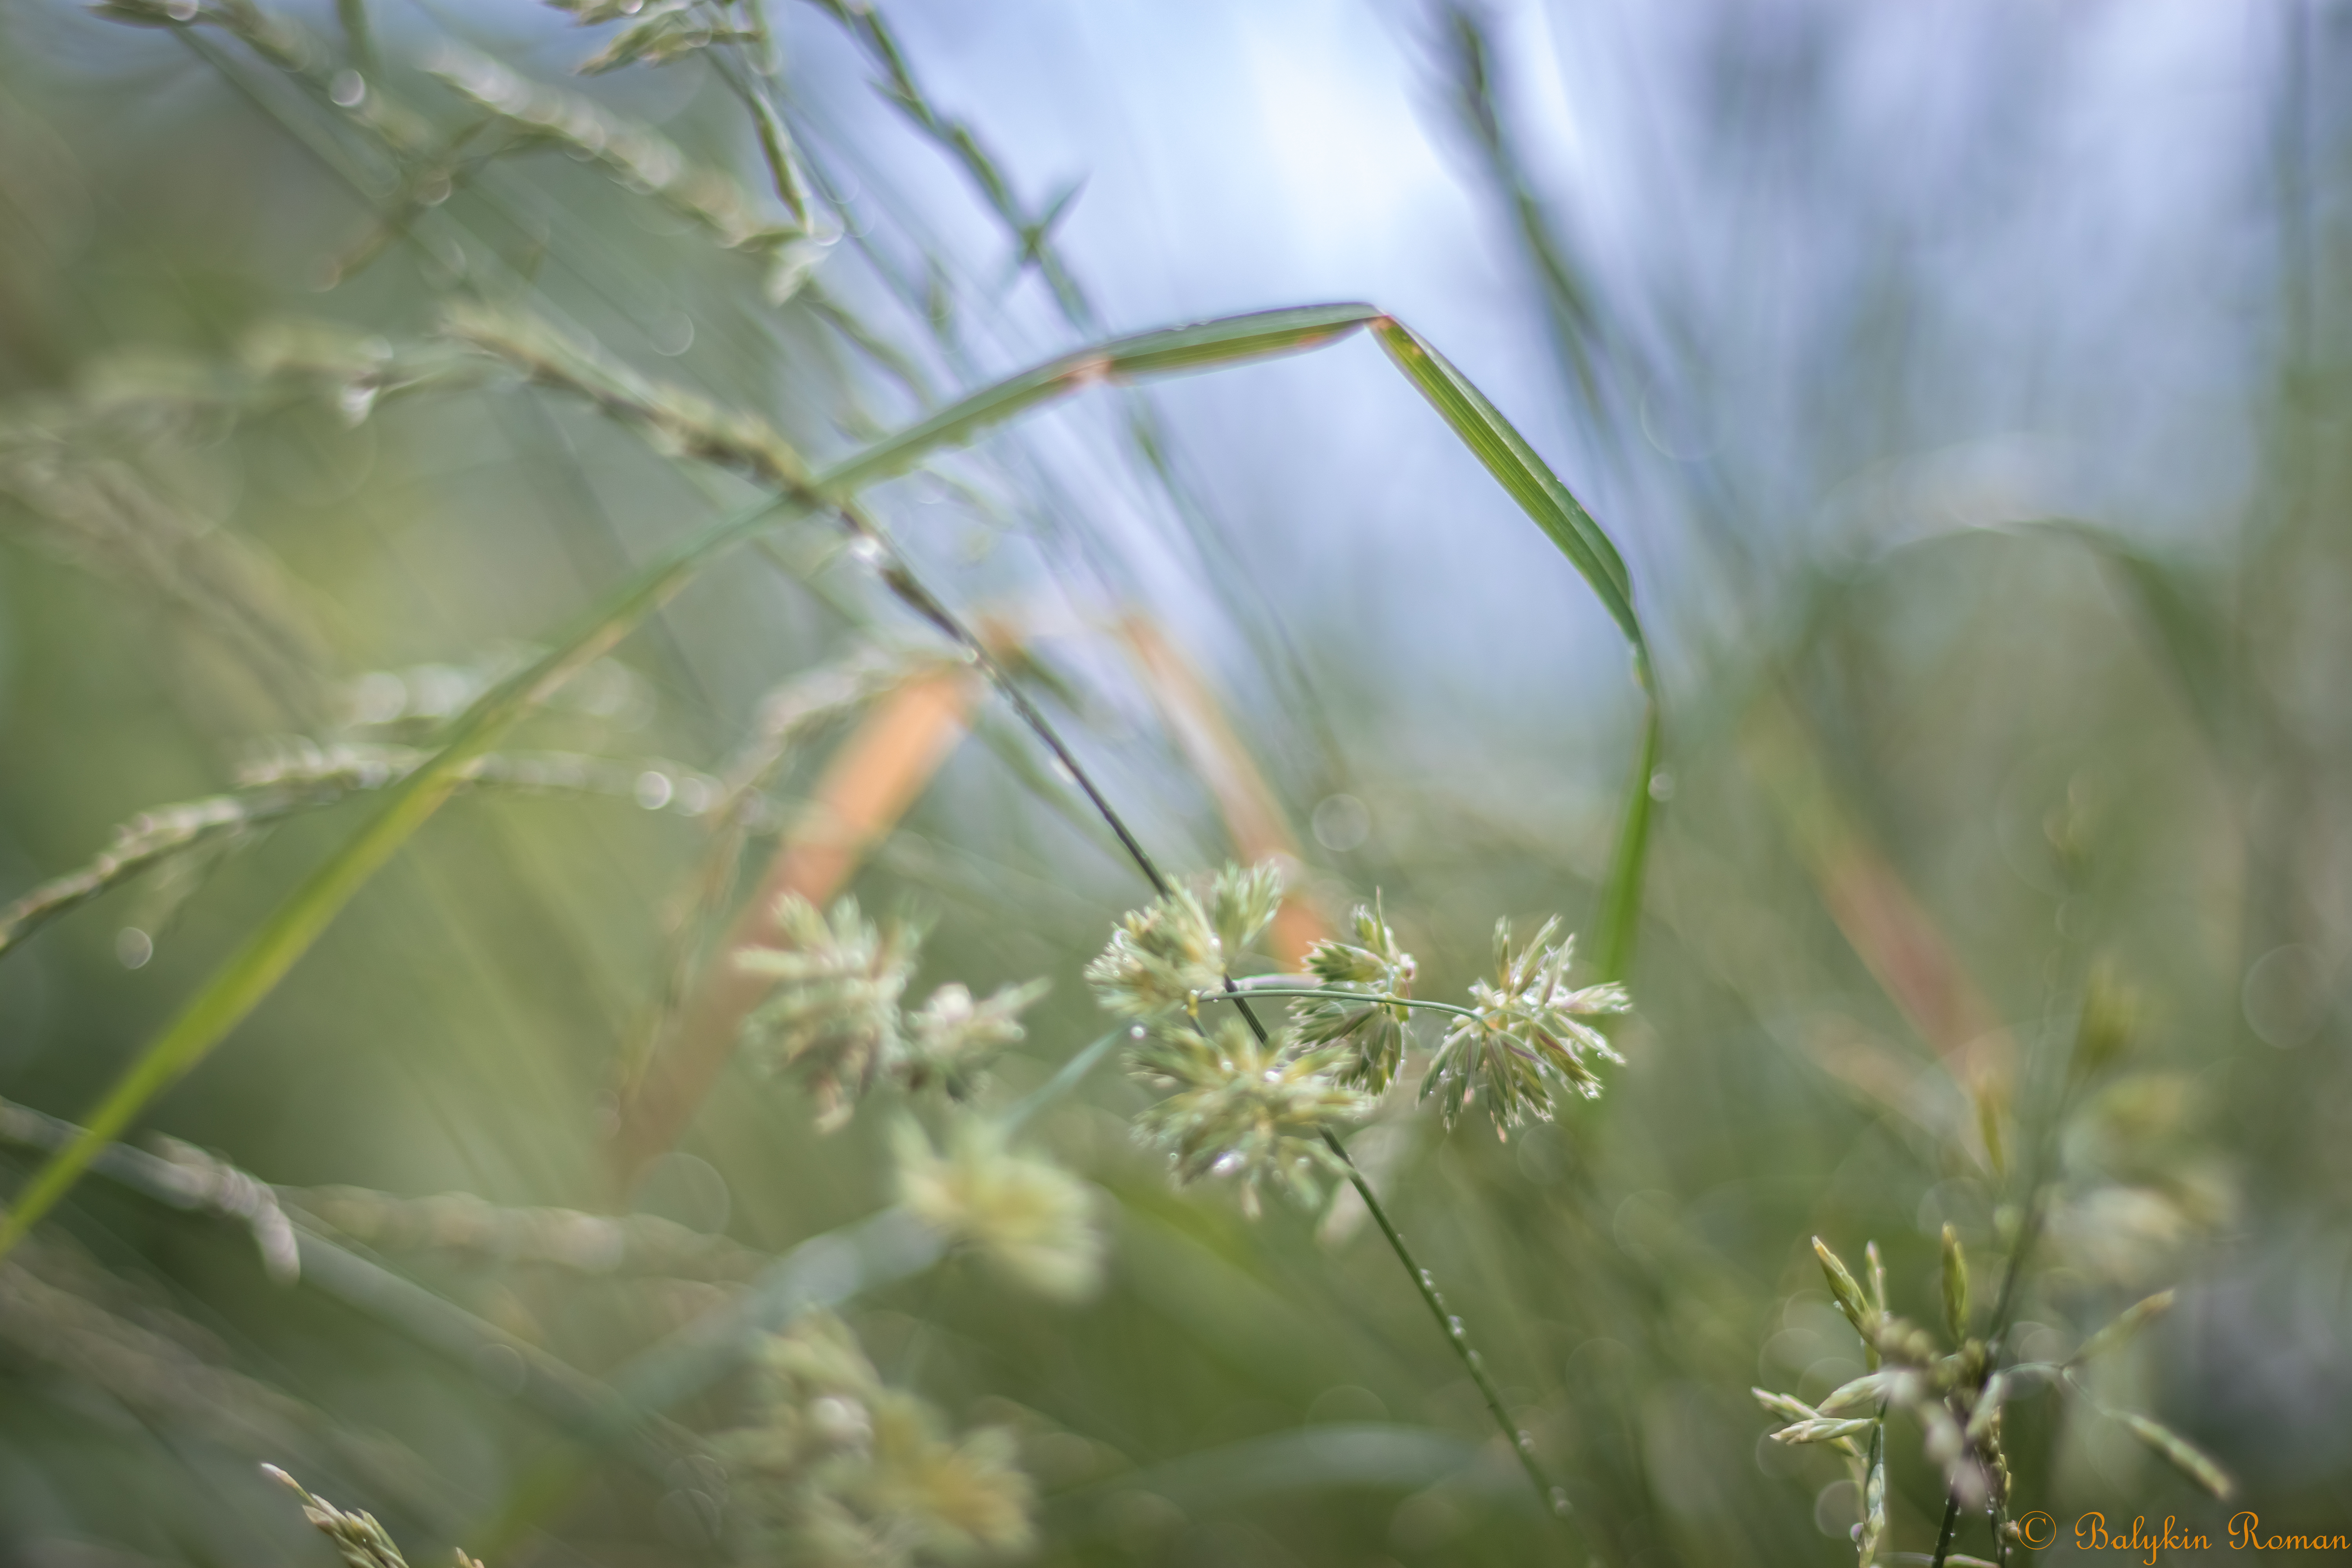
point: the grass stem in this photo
(1951, 1527)
(1246, 990)
(1554, 1497)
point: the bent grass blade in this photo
(1530, 481)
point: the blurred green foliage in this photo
(1934, 800)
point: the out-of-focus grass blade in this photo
(254, 970)
(2179, 1452)
(1172, 352)
(1403, 1458)
(2185, 627)
(1621, 896)
(1530, 482)
(1065, 1078)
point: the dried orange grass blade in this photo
(1888, 928)
(1254, 819)
(866, 788)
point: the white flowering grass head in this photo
(1956, 1393)
(1242, 901)
(357, 1538)
(1032, 1221)
(948, 1499)
(1527, 1034)
(1162, 956)
(1373, 965)
(1255, 1111)
(954, 1036)
(839, 1471)
(835, 1016)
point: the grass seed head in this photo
(1252, 1109)
(1160, 958)
(1373, 965)
(1528, 1033)
(837, 1469)
(1242, 901)
(358, 1539)
(1956, 1286)
(953, 1036)
(834, 1015)
(1032, 1221)
(1848, 1294)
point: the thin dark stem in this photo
(902, 581)
(1554, 1495)
(1951, 1527)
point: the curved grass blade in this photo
(1526, 476)
(1172, 352)
(1530, 482)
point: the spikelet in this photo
(1527, 1034)
(1032, 1221)
(1255, 1111)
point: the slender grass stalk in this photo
(1553, 1495)
(1549, 1493)
(1244, 989)
(1621, 894)
(1065, 1079)
(1951, 1527)
(569, 1399)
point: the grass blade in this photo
(1173, 352)
(1367, 1456)
(1526, 476)
(1620, 911)
(1530, 482)
(2179, 1452)
(1065, 1078)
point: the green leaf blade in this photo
(1229, 339)
(1515, 466)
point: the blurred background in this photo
(1964, 384)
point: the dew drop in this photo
(134, 947)
(654, 789)
(348, 89)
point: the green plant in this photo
(765, 1229)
